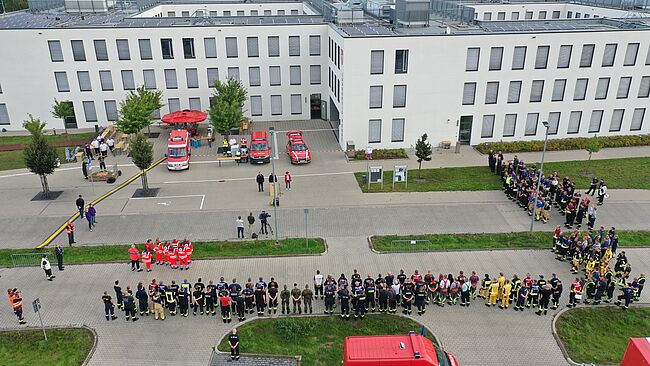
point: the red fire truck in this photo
(637, 352)
(178, 150)
(394, 350)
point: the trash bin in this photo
(364, 180)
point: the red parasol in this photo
(185, 116)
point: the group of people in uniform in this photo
(593, 252)
(175, 254)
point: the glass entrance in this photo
(465, 130)
(70, 121)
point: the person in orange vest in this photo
(173, 259)
(16, 302)
(69, 229)
(182, 258)
(148, 246)
(166, 253)
(189, 250)
(158, 249)
(134, 254)
(174, 244)
(146, 259)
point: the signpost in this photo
(37, 307)
(400, 175)
(376, 175)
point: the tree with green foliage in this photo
(40, 157)
(141, 151)
(423, 151)
(62, 109)
(226, 111)
(136, 111)
(593, 145)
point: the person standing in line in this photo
(118, 295)
(602, 193)
(491, 160)
(102, 163)
(287, 181)
(134, 254)
(69, 229)
(318, 284)
(591, 213)
(240, 227)
(103, 149)
(260, 182)
(89, 218)
(233, 341)
(111, 145)
(263, 221)
(59, 257)
(88, 151)
(129, 306)
(109, 307)
(84, 166)
(80, 206)
(16, 301)
(251, 223)
(273, 178)
(95, 145)
(45, 264)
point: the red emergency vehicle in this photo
(178, 150)
(297, 149)
(394, 350)
(637, 352)
(260, 151)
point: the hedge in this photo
(378, 154)
(578, 143)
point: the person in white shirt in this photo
(103, 148)
(45, 264)
(240, 227)
(318, 285)
(111, 145)
(95, 145)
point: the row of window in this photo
(563, 59)
(396, 134)
(335, 53)
(187, 45)
(573, 125)
(377, 94)
(335, 84)
(542, 14)
(275, 104)
(228, 13)
(377, 62)
(601, 90)
(191, 76)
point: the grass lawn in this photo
(15, 160)
(600, 335)
(319, 340)
(13, 140)
(64, 347)
(628, 173)
(202, 250)
(535, 240)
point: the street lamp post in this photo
(539, 175)
(275, 187)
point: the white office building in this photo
(382, 72)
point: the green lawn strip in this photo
(319, 340)
(64, 347)
(626, 173)
(14, 140)
(15, 159)
(518, 240)
(600, 335)
(202, 250)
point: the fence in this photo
(410, 245)
(28, 259)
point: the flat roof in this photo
(390, 347)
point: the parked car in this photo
(298, 152)
(260, 151)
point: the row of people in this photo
(175, 254)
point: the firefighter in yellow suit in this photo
(501, 281)
(505, 295)
(494, 292)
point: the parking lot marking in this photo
(167, 203)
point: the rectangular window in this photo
(609, 55)
(256, 105)
(101, 52)
(167, 48)
(128, 83)
(188, 48)
(84, 81)
(595, 121)
(580, 92)
(185, 14)
(487, 15)
(4, 115)
(536, 90)
(541, 59)
(569, 14)
(233, 73)
(89, 111)
(254, 78)
(111, 110)
(210, 46)
(519, 58)
(106, 80)
(61, 81)
(267, 12)
(496, 56)
(399, 96)
(149, 79)
(630, 54)
(530, 129)
(170, 79)
(514, 15)
(602, 88)
(553, 123)
(514, 91)
(276, 105)
(294, 45)
(296, 104)
(376, 96)
(314, 45)
(214, 13)
(195, 104)
(541, 15)
(213, 76)
(280, 12)
(252, 47)
(174, 104)
(123, 52)
(509, 125)
(617, 120)
(558, 90)
(294, 75)
(471, 63)
(397, 130)
(240, 13)
(556, 14)
(274, 46)
(623, 87)
(314, 74)
(401, 61)
(529, 15)
(469, 93)
(192, 76)
(487, 129)
(376, 62)
(637, 119)
(374, 131)
(56, 53)
(171, 14)
(564, 58)
(275, 75)
(574, 122)
(501, 15)
(587, 55)
(78, 51)
(145, 49)
(231, 47)
(644, 87)
(491, 92)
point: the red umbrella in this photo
(185, 116)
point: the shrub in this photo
(579, 143)
(382, 154)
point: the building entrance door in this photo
(70, 121)
(465, 130)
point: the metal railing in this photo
(28, 259)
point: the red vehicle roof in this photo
(178, 137)
(294, 135)
(398, 349)
(259, 135)
(637, 352)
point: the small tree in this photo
(136, 111)
(422, 151)
(62, 109)
(141, 151)
(226, 111)
(593, 145)
(40, 157)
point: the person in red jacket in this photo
(146, 259)
(158, 249)
(149, 246)
(224, 303)
(134, 254)
(189, 248)
(182, 258)
(173, 259)
(166, 248)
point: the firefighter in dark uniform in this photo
(284, 298)
(522, 298)
(260, 299)
(590, 290)
(210, 298)
(240, 305)
(234, 290)
(641, 281)
(171, 297)
(383, 298)
(627, 295)
(233, 342)
(557, 292)
(224, 305)
(330, 290)
(533, 296)
(545, 293)
(421, 297)
(143, 300)
(392, 300)
(197, 300)
(611, 286)
(273, 298)
(369, 284)
(601, 288)
(359, 302)
(183, 302)
(344, 298)
(401, 277)
(248, 295)
(407, 298)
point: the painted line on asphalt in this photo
(183, 196)
(241, 179)
(58, 231)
